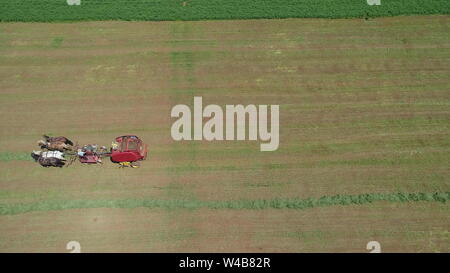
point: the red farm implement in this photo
(91, 154)
(128, 148)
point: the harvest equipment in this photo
(128, 148)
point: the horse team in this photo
(126, 150)
(52, 151)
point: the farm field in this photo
(364, 109)
(174, 10)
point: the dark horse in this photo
(48, 161)
(62, 139)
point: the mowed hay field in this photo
(364, 109)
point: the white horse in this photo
(50, 154)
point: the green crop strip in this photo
(294, 203)
(159, 10)
(10, 156)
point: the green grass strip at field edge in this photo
(158, 10)
(280, 203)
(10, 156)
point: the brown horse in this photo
(54, 146)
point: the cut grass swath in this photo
(281, 203)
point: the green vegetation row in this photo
(9, 156)
(161, 10)
(294, 203)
